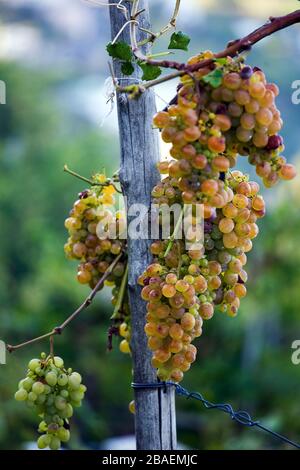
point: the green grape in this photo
(63, 434)
(62, 380)
(38, 388)
(21, 395)
(73, 382)
(76, 404)
(68, 411)
(32, 396)
(77, 395)
(50, 400)
(27, 384)
(54, 443)
(58, 362)
(60, 403)
(43, 426)
(51, 378)
(33, 364)
(41, 399)
(43, 441)
(38, 371)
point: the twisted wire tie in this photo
(241, 417)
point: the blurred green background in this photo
(53, 62)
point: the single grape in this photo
(287, 172)
(226, 225)
(32, 396)
(38, 388)
(43, 441)
(246, 72)
(124, 348)
(21, 395)
(51, 378)
(63, 434)
(33, 364)
(54, 443)
(62, 380)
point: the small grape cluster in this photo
(208, 128)
(125, 333)
(96, 238)
(228, 237)
(173, 319)
(52, 391)
(91, 216)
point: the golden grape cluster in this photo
(90, 216)
(96, 239)
(219, 115)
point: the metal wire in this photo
(241, 417)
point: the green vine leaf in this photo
(119, 50)
(179, 40)
(222, 61)
(127, 68)
(214, 78)
(150, 72)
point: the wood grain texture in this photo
(155, 419)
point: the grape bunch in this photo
(212, 123)
(173, 318)
(228, 238)
(96, 238)
(52, 392)
(183, 288)
(95, 231)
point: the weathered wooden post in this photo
(155, 419)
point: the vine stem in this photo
(175, 232)
(171, 24)
(136, 46)
(180, 259)
(233, 48)
(159, 54)
(109, 182)
(52, 346)
(132, 31)
(122, 29)
(59, 329)
(77, 175)
(120, 295)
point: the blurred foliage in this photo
(245, 361)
